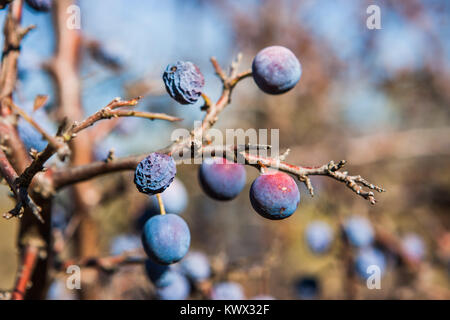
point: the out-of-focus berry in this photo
(367, 257)
(175, 199)
(274, 195)
(40, 5)
(124, 243)
(166, 238)
(196, 266)
(276, 70)
(177, 287)
(58, 291)
(184, 82)
(307, 288)
(319, 236)
(222, 179)
(155, 173)
(413, 246)
(227, 291)
(359, 231)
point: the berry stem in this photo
(161, 204)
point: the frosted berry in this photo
(155, 173)
(274, 195)
(276, 70)
(222, 179)
(40, 5)
(184, 82)
(166, 238)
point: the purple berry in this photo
(369, 257)
(196, 266)
(177, 287)
(155, 173)
(359, 231)
(276, 70)
(319, 236)
(413, 246)
(227, 291)
(40, 5)
(222, 179)
(166, 238)
(274, 195)
(184, 82)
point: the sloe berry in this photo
(196, 266)
(222, 179)
(166, 238)
(155, 173)
(227, 291)
(177, 287)
(413, 246)
(367, 257)
(276, 70)
(274, 195)
(307, 288)
(184, 82)
(319, 236)
(359, 231)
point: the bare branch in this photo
(23, 199)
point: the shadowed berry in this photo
(157, 273)
(359, 231)
(222, 179)
(196, 266)
(227, 291)
(155, 173)
(274, 195)
(319, 236)
(276, 70)
(413, 246)
(177, 287)
(184, 82)
(40, 5)
(307, 288)
(369, 257)
(166, 238)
